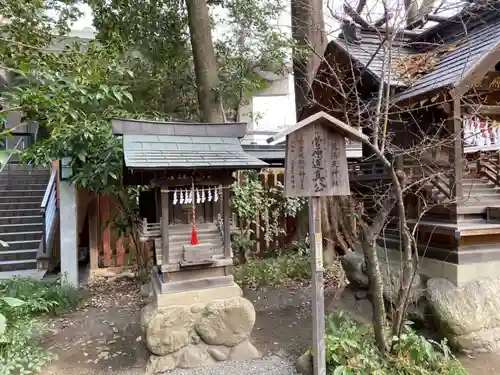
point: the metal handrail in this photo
(21, 140)
(49, 197)
(48, 191)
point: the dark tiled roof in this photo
(373, 55)
(457, 63)
(266, 152)
(178, 152)
(474, 36)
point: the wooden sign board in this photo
(316, 162)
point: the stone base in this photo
(467, 314)
(166, 294)
(198, 328)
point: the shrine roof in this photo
(460, 44)
(185, 152)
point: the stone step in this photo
(31, 204)
(17, 265)
(8, 255)
(33, 219)
(20, 212)
(22, 193)
(24, 244)
(28, 186)
(20, 199)
(18, 228)
(22, 236)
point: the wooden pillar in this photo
(93, 235)
(106, 230)
(164, 226)
(318, 302)
(226, 212)
(158, 204)
(457, 154)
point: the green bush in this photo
(41, 296)
(22, 301)
(351, 349)
(273, 271)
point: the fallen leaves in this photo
(117, 291)
(412, 67)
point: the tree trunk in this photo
(308, 30)
(205, 63)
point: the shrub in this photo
(273, 271)
(42, 297)
(351, 349)
(21, 302)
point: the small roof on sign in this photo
(323, 118)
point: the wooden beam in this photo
(483, 109)
(226, 212)
(434, 18)
(164, 226)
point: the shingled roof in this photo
(456, 64)
(373, 51)
(186, 152)
(471, 36)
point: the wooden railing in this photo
(367, 170)
(148, 231)
(489, 168)
(439, 181)
(48, 209)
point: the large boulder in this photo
(226, 322)
(469, 314)
(187, 336)
(356, 272)
(170, 329)
(147, 313)
(243, 351)
(194, 356)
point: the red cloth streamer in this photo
(194, 237)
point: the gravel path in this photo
(272, 365)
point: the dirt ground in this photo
(103, 337)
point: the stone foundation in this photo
(468, 314)
(198, 328)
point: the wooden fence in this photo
(270, 179)
(107, 250)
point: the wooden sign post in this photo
(316, 166)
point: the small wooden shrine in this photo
(189, 168)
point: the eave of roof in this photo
(147, 127)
